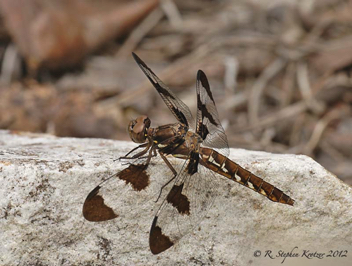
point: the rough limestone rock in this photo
(45, 180)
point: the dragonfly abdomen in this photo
(225, 167)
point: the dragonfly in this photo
(203, 149)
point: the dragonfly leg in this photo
(171, 168)
(139, 154)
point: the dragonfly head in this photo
(137, 129)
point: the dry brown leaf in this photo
(57, 34)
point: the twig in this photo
(139, 32)
(331, 151)
(285, 113)
(305, 89)
(321, 126)
(303, 81)
(10, 65)
(288, 85)
(297, 130)
(172, 13)
(267, 137)
(234, 100)
(231, 71)
(259, 86)
(265, 41)
(242, 142)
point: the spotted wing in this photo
(176, 106)
(105, 202)
(185, 205)
(208, 123)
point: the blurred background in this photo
(280, 71)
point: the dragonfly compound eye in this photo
(137, 129)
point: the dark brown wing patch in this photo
(178, 200)
(202, 130)
(202, 105)
(176, 106)
(158, 242)
(184, 208)
(192, 166)
(135, 175)
(208, 123)
(204, 81)
(94, 208)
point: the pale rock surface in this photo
(45, 180)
